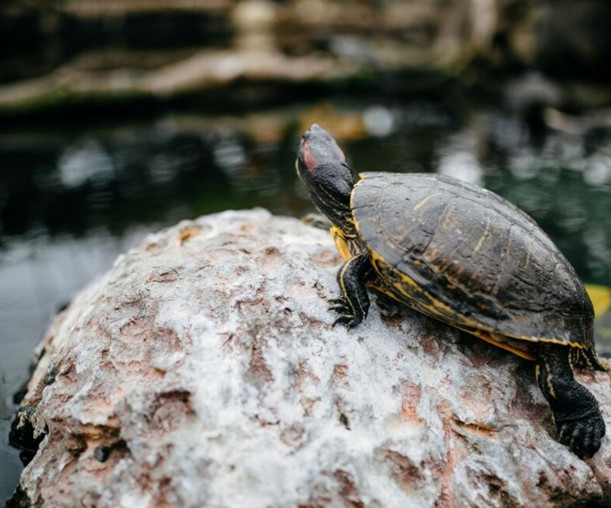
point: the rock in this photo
(203, 370)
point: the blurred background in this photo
(119, 117)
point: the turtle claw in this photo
(340, 305)
(345, 320)
(582, 436)
(346, 316)
(352, 305)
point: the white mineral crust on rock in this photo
(203, 370)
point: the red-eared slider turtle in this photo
(463, 255)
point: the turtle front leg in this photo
(575, 411)
(353, 305)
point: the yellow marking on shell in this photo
(527, 262)
(446, 216)
(437, 308)
(431, 253)
(516, 351)
(480, 242)
(444, 313)
(419, 205)
(340, 243)
(537, 372)
(452, 317)
(387, 292)
(601, 298)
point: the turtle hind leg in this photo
(353, 305)
(575, 411)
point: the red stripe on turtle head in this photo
(308, 159)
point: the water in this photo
(72, 199)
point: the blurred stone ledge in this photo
(203, 369)
(57, 53)
(74, 85)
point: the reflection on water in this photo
(115, 179)
(86, 161)
(459, 158)
(70, 201)
(564, 182)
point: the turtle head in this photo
(322, 167)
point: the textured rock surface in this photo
(203, 370)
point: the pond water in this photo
(72, 199)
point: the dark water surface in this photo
(72, 199)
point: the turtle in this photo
(463, 255)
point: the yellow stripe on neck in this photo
(340, 243)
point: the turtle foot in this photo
(583, 436)
(576, 412)
(347, 316)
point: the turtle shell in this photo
(465, 255)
